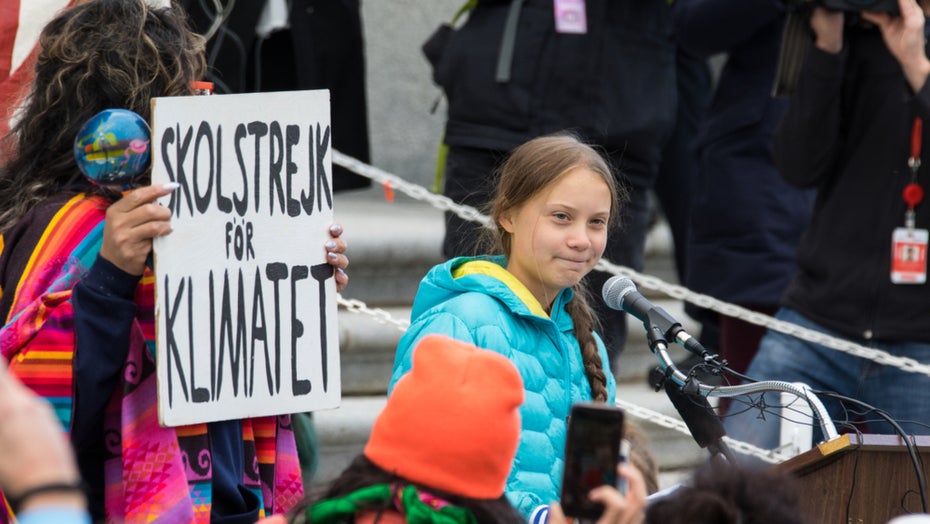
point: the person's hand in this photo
(904, 37)
(335, 255)
(618, 509)
(132, 222)
(828, 29)
(33, 448)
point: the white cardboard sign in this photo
(245, 301)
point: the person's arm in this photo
(904, 37)
(807, 139)
(104, 307)
(38, 473)
(707, 27)
(104, 312)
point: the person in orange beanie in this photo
(453, 424)
(440, 450)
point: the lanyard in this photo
(913, 194)
(909, 244)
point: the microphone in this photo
(620, 293)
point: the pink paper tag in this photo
(570, 16)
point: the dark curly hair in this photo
(722, 493)
(362, 473)
(97, 55)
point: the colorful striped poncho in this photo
(153, 474)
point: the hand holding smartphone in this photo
(592, 452)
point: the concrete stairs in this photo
(391, 246)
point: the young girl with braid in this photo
(554, 202)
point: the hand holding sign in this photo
(335, 255)
(132, 222)
(112, 150)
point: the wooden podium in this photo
(859, 479)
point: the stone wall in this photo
(404, 134)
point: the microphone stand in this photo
(688, 394)
(695, 411)
(663, 327)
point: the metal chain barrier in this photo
(381, 316)
(643, 280)
(647, 281)
(754, 317)
(642, 413)
(413, 190)
(771, 456)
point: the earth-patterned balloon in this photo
(113, 148)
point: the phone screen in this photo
(592, 451)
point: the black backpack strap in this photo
(508, 40)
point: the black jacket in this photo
(615, 85)
(747, 220)
(847, 132)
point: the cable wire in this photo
(907, 438)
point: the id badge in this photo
(909, 256)
(570, 16)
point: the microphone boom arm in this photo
(660, 325)
(691, 384)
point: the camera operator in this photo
(851, 127)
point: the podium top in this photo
(825, 452)
(860, 478)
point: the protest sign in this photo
(245, 300)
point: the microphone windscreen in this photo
(615, 289)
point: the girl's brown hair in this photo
(530, 169)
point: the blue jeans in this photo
(905, 396)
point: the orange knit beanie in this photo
(452, 422)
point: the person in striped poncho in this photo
(76, 296)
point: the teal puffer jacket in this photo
(482, 309)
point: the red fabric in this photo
(385, 517)
(13, 83)
(739, 340)
(739, 343)
(9, 22)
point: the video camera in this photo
(797, 34)
(888, 6)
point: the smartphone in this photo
(592, 452)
